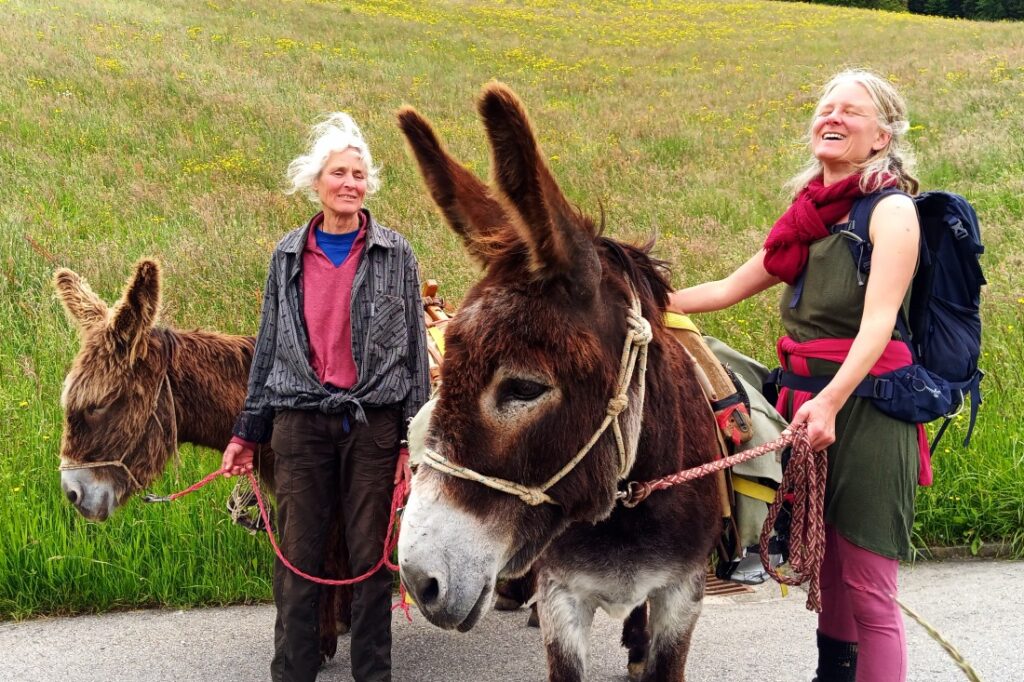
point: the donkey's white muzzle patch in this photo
(449, 559)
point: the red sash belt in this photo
(793, 356)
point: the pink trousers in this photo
(856, 607)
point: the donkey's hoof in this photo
(506, 604)
(534, 619)
(636, 671)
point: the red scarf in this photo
(806, 220)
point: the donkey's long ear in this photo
(464, 200)
(560, 240)
(136, 312)
(84, 308)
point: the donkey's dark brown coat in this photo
(530, 364)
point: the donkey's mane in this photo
(649, 275)
(201, 356)
(228, 347)
(508, 253)
(208, 372)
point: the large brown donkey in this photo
(543, 415)
(137, 390)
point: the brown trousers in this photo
(319, 465)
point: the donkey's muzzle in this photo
(446, 605)
(424, 588)
(94, 499)
(449, 557)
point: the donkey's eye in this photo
(520, 389)
(95, 411)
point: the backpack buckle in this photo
(959, 231)
(881, 389)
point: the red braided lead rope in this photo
(804, 478)
(807, 532)
(401, 491)
(637, 492)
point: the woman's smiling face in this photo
(845, 129)
(341, 184)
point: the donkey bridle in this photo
(633, 360)
(166, 383)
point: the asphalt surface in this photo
(977, 605)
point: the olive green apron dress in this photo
(873, 465)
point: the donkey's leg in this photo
(565, 625)
(637, 639)
(329, 596)
(328, 623)
(514, 592)
(533, 621)
(674, 611)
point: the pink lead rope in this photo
(402, 478)
(804, 483)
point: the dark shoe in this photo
(837, 660)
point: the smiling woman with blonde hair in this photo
(840, 330)
(340, 368)
(893, 159)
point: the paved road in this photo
(978, 606)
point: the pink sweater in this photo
(327, 309)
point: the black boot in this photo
(837, 661)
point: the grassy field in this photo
(132, 128)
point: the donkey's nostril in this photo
(424, 587)
(430, 591)
(72, 489)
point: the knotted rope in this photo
(632, 361)
(804, 480)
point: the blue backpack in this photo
(943, 326)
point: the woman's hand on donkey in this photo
(237, 460)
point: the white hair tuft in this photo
(336, 132)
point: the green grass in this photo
(133, 128)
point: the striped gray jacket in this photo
(388, 337)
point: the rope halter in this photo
(633, 361)
(165, 384)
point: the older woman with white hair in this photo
(339, 369)
(839, 329)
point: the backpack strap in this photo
(859, 225)
(971, 387)
(869, 387)
(858, 235)
(859, 231)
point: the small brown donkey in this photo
(136, 390)
(533, 372)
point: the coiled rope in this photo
(803, 482)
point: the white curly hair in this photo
(336, 132)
